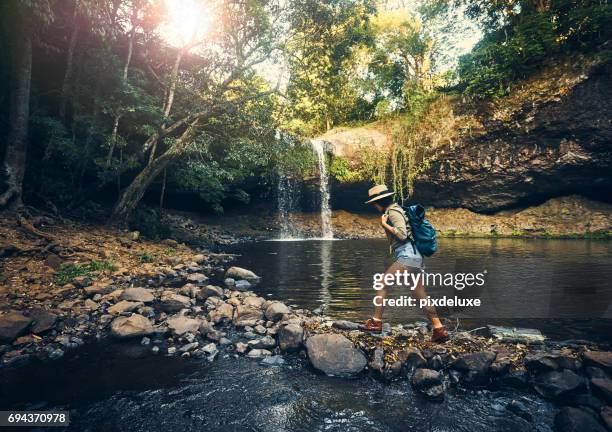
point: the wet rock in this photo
(428, 382)
(475, 367)
(345, 325)
(290, 337)
(209, 291)
(335, 355)
(600, 359)
(171, 302)
(519, 408)
(557, 383)
(229, 282)
(138, 295)
(241, 347)
(242, 285)
(179, 325)
(276, 310)
(224, 312)
(602, 387)
(43, 321)
(377, 362)
(576, 420)
(595, 372)
(133, 326)
(259, 353)
(13, 325)
(275, 360)
(584, 400)
(123, 306)
(189, 347)
(515, 379)
(247, 315)
(237, 273)
(264, 342)
(412, 358)
(512, 334)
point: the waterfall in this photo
(288, 194)
(326, 224)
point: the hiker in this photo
(406, 257)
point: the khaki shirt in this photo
(397, 219)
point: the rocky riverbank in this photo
(93, 283)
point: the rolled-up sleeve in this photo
(399, 224)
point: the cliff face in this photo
(552, 138)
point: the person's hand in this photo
(383, 219)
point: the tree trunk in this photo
(163, 190)
(17, 145)
(66, 85)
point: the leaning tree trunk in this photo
(16, 148)
(67, 82)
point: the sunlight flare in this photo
(187, 21)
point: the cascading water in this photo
(288, 192)
(327, 231)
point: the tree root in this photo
(27, 226)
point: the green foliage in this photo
(150, 223)
(341, 171)
(146, 257)
(70, 271)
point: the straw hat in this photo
(377, 192)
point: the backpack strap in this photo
(400, 210)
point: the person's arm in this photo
(397, 227)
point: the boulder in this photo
(412, 358)
(345, 325)
(602, 387)
(13, 325)
(247, 315)
(197, 278)
(237, 273)
(601, 359)
(290, 337)
(540, 362)
(132, 326)
(377, 362)
(179, 325)
(138, 295)
(172, 302)
(222, 312)
(576, 420)
(43, 320)
(558, 383)
(512, 334)
(254, 301)
(242, 285)
(259, 353)
(428, 382)
(475, 367)
(264, 342)
(210, 291)
(123, 306)
(335, 355)
(276, 310)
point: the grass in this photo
(146, 258)
(69, 271)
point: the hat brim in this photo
(379, 197)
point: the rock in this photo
(519, 408)
(138, 295)
(595, 372)
(13, 325)
(274, 360)
(603, 388)
(43, 321)
(254, 301)
(428, 382)
(133, 326)
(172, 303)
(189, 347)
(198, 258)
(377, 362)
(290, 337)
(576, 420)
(98, 288)
(210, 291)
(475, 367)
(210, 349)
(54, 261)
(259, 353)
(123, 306)
(223, 312)
(171, 350)
(345, 325)
(557, 383)
(511, 334)
(411, 358)
(241, 347)
(197, 278)
(539, 362)
(601, 359)
(335, 355)
(179, 325)
(81, 281)
(247, 315)
(237, 273)
(264, 342)
(606, 416)
(242, 285)
(229, 282)
(276, 310)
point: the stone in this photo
(223, 312)
(210, 349)
(43, 321)
(335, 355)
(123, 306)
(171, 302)
(259, 353)
(412, 358)
(345, 325)
(602, 387)
(179, 325)
(254, 301)
(519, 408)
(189, 347)
(515, 335)
(13, 325)
(81, 281)
(241, 347)
(428, 382)
(132, 326)
(237, 273)
(274, 360)
(377, 362)
(276, 310)
(477, 361)
(210, 291)
(229, 282)
(138, 295)
(246, 315)
(197, 278)
(601, 359)
(264, 342)
(558, 383)
(576, 420)
(242, 285)
(198, 258)
(54, 261)
(290, 337)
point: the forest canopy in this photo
(116, 101)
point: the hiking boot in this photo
(439, 335)
(372, 326)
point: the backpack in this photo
(423, 233)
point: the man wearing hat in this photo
(406, 257)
